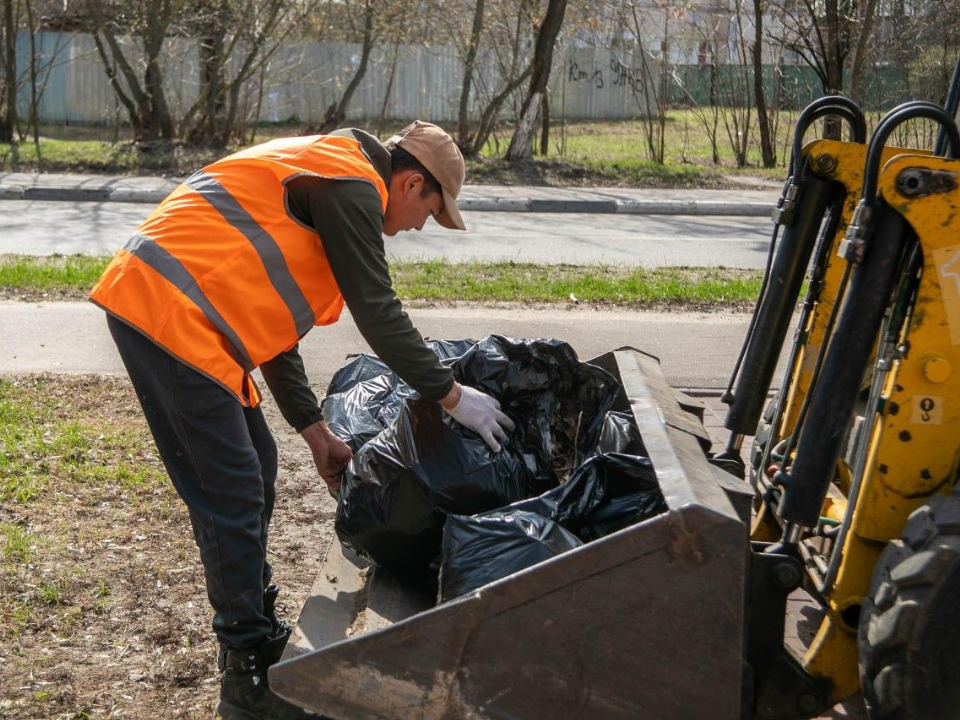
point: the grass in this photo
(37, 443)
(95, 155)
(73, 572)
(580, 153)
(595, 284)
(617, 152)
(55, 274)
(51, 592)
(100, 581)
(604, 153)
(16, 543)
(443, 282)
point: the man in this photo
(226, 275)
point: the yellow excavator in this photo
(849, 509)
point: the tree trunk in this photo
(137, 102)
(212, 119)
(159, 118)
(768, 153)
(521, 144)
(212, 77)
(337, 112)
(8, 101)
(33, 120)
(489, 116)
(469, 63)
(834, 65)
(545, 125)
(386, 93)
(861, 50)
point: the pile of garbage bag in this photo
(416, 470)
(606, 493)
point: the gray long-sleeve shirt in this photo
(348, 217)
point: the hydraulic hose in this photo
(898, 116)
(875, 244)
(787, 262)
(774, 312)
(951, 107)
(828, 105)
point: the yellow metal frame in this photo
(914, 449)
(844, 163)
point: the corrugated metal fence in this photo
(302, 80)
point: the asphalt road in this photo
(100, 228)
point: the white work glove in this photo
(481, 413)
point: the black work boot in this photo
(244, 693)
(280, 627)
(280, 630)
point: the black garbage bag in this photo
(557, 401)
(367, 365)
(360, 369)
(360, 413)
(399, 487)
(404, 480)
(605, 494)
(619, 435)
(365, 396)
(480, 549)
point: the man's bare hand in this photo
(330, 453)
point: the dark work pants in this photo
(222, 460)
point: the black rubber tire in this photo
(909, 629)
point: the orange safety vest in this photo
(221, 275)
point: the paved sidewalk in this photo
(696, 349)
(482, 198)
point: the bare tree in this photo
(867, 11)
(369, 32)
(824, 33)
(922, 42)
(500, 43)
(648, 83)
(8, 71)
(735, 88)
(469, 66)
(245, 33)
(33, 117)
(385, 103)
(144, 98)
(521, 144)
(768, 151)
(707, 115)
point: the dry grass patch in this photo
(103, 609)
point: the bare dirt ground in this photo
(103, 610)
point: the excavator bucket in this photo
(646, 622)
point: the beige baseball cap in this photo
(439, 154)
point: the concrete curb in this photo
(618, 207)
(604, 206)
(101, 194)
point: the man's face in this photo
(407, 207)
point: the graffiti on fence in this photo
(624, 76)
(575, 74)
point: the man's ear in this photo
(413, 183)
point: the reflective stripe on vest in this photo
(221, 275)
(213, 192)
(173, 270)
